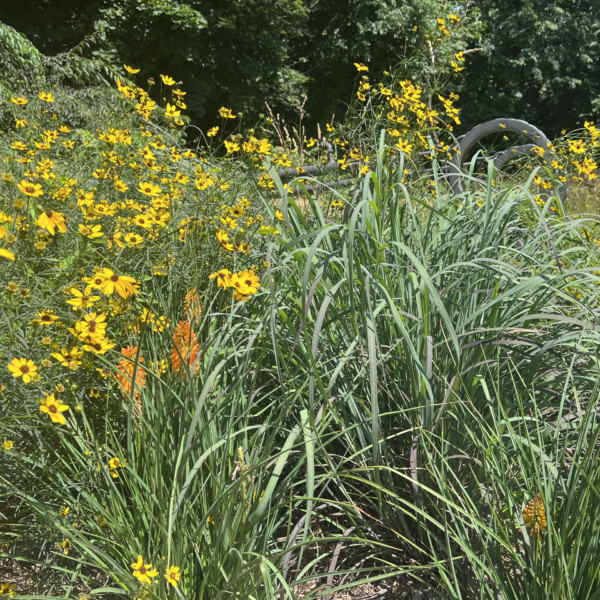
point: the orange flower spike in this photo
(125, 371)
(186, 350)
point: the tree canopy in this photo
(534, 59)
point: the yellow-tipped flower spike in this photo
(534, 517)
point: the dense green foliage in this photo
(532, 59)
(240, 54)
(539, 60)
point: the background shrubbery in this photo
(536, 60)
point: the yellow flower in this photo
(99, 345)
(51, 220)
(30, 189)
(143, 572)
(167, 80)
(64, 511)
(124, 285)
(46, 96)
(223, 277)
(361, 67)
(54, 409)
(149, 189)
(68, 358)
(171, 111)
(231, 147)
(65, 546)
(4, 253)
(91, 231)
(172, 576)
(120, 185)
(534, 517)
(20, 101)
(7, 589)
(224, 240)
(21, 367)
(82, 299)
(8, 445)
(404, 146)
(131, 70)
(226, 113)
(577, 146)
(45, 317)
(245, 284)
(113, 464)
(212, 131)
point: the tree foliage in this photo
(539, 60)
(534, 59)
(385, 34)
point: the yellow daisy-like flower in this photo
(68, 358)
(7, 589)
(8, 445)
(19, 101)
(173, 575)
(149, 189)
(22, 367)
(226, 113)
(54, 409)
(4, 253)
(46, 96)
(245, 283)
(143, 572)
(171, 111)
(131, 70)
(404, 146)
(231, 147)
(51, 220)
(100, 345)
(30, 189)
(223, 277)
(167, 80)
(113, 464)
(45, 317)
(91, 231)
(82, 299)
(120, 185)
(112, 282)
(212, 131)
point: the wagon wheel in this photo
(504, 141)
